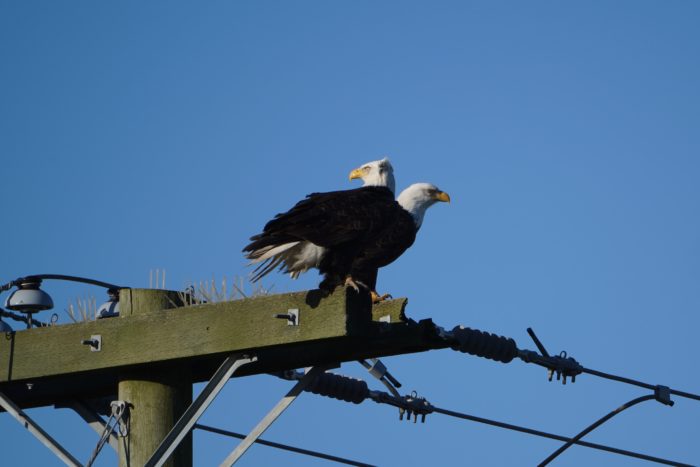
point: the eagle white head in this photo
(376, 173)
(418, 197)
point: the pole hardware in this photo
(38, 432)
(292, 316)
(273, 414)
(663, 394)
(118, 421)
(188, 419)
(92, 416)
(95, 342)
(561, 365)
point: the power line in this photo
(544, 434)
(356, 391)
(565, 366)
(284, 447)
(595, 425)
(641, 384)
(503, 349)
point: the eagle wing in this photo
(328, 219)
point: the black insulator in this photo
(340, 387)
(484, 344)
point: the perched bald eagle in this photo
(300, 256)
(376, 173)
(358, 230)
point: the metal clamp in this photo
(416, 406)
(120, 411)
(663, 395)
(118, 418)
(562, 365)
(95, 342)
(292, 316)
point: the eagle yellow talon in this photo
(376, 298)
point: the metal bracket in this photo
(37, 431)
(292, 316)
(120, 411)
(379, 371)
(272, 415)
(196, 409)
(95, 342)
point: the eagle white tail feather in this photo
(302, 258)
(270, 251)
(293, 258)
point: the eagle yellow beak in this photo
(442, 196)
(357, 173)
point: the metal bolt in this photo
(292, 316)
(286, 316)
(95, 342)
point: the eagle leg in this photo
(350, 282)
(376, 298)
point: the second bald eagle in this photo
(358, 230)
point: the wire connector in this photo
(118, 422)
(663, 395)
(416, 406)
(562, 365)
(410, 405)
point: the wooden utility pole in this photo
(151, 355)
(156, 397)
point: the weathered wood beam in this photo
(341, 327)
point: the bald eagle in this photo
(398, 236)
(298, 257)
(358, 232)
(376, 173)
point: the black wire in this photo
(9, 314)
(284, 446)
(595, 425)
(64, 277)
(544, 434)
(555, 364)
(641, 384)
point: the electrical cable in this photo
(465, 340)
(544, 434)
(595, 425)
(64, 277)
(566, 366)
(16, 317)
(641, 384)
(356, 391)
(284, 447)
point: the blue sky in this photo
(144, 135)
